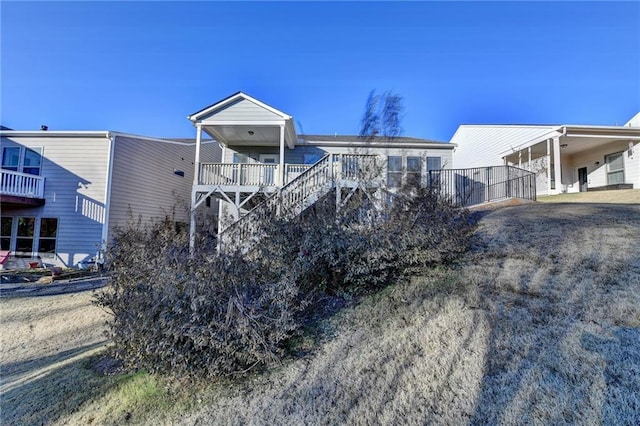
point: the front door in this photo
(269, 174)
(582, 179)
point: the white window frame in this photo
(610, 171)
(22, 156)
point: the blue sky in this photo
(142, 67)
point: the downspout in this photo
(107, 192)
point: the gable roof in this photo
(206, 111)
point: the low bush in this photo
(215, 314)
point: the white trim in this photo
(392, 144)
(243, 123)
(107, 192)
(54, 133)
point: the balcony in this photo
(21, 189)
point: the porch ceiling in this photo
(247, 135)
(569, 145)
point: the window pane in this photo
(47, 246)
(48, 227)
(26, 226)
(10, 158)
(5, 243)
(394, 164)
(434, 163)
(414, 164)
(24, 245)
(6, 226)
(615, 177)
(394, 179)
(615, 161)
(32, 157)
(413, 179)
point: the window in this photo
(5, 233)
(32, 161)
(27, 161)
(311, 158)
(433, 164)
(24, 240)
(414, 171)
(615, 168)
(11, 158)
(394, 172)
(47, 240)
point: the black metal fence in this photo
(468, 187)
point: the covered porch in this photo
(580, 158)
(239, 123)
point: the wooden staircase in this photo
(333, 171)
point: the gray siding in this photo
(241, 110)
(144, 182)
(75, 172)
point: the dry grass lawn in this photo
(539, 324)
(621, 196)
(45, 341)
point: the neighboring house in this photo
(262, 154)
(63, 192)
(565, 158)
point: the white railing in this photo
(298, 194)
(21, 184)
(292, 171)
(243, 174)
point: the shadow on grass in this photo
(556, 350)
(44, 389)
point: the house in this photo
(565, 158)
(264, 156)
(63, 192)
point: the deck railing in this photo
(467, 187)
(248, 174)
(243, 174)
(21, 184)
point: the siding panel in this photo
(75, 171)
(241, 110)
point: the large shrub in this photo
(226, 313)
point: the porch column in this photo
(557, 169)
(196, 181)
(529, 163)
(548, 161)
(196, 172)
(282, 171)
(520, 159)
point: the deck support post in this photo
(557, 169)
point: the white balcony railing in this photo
(21, 184)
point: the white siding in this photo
(481, 146)
(242, 109)
(144, 182)
(597, 173)
(75, 171)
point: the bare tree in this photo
(382, 116)
(371, 118)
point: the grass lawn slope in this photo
(539, 323)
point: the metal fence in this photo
(468, 187)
